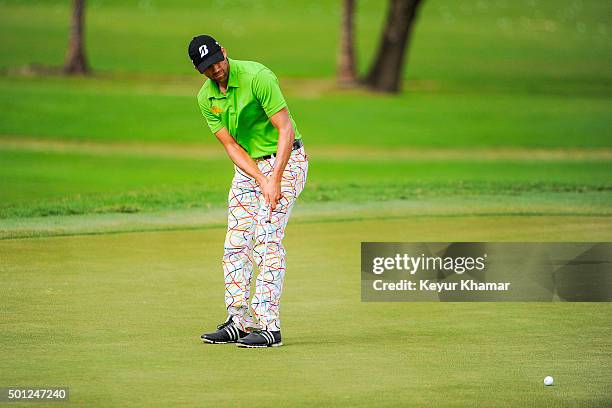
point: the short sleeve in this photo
(214, 122)
(268, 93)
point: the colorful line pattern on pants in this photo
(245, 243)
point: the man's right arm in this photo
(240, 157)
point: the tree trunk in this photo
(76, 62)
(385, 74)
(346, 71)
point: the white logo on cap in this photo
(203, 50)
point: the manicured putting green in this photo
(117, 318)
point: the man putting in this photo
(245, 109)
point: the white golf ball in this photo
(548, 380)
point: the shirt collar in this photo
(232, 81)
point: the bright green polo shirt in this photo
(253, 95)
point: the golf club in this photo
(267, 222)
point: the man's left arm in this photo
(267, 91)
(286, 136)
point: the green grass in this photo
(38, 183)
(117, 318)
(578, 209)
(502, 134)
(476, 41)
(481, 73)
(158, 109)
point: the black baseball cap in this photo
(204, 51)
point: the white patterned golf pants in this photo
(245, 243)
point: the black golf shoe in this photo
(261, 338)
(226, 332)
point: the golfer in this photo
(245, 109)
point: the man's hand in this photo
(271, 190)
(286, 135)
(270, 186)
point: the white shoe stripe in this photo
(229, 331)
(268, 336)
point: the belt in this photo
(296, 145)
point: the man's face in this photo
(218, 72)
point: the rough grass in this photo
(476, 41)
(56, 183)
(481, 73)
(165, 110)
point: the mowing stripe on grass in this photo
(313, 213)
(339, 152)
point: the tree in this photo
(76, 62)
(346, 71)
(385, 74)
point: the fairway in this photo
(118, 318)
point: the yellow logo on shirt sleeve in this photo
(216, 110)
